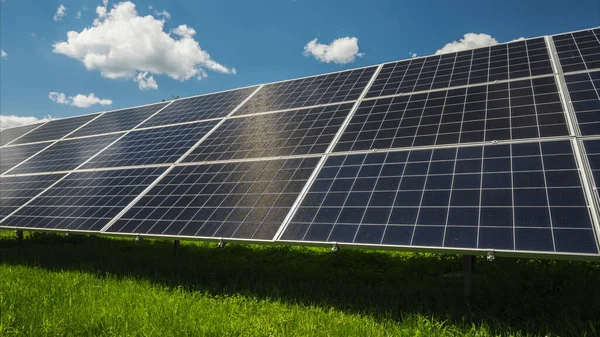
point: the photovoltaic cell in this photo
(246, 200)
(11, 156)
(17, 190)
(84, 200)
(584, 92)
(519, 197)
(54, 129)
(8, 135)
(592, 147)
(512, 110)
(200, 108)
(331, 88)
(500, 62)
(65, 155)
(151, 146)
(293, 132)
(579, 50)
(120, 120)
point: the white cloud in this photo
(341, 51)
(78, 15)
(122, 44)
(469, 41)
(12, 121)
(3, 54)
(144, 82)
(519, 39)
(412, 55)
(61, 12)
(164, 14)
(79, 100)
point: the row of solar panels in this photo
(434, 176)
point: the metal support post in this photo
(468, 270)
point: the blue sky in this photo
(262, 40)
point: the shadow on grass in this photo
(510, 295)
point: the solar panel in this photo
(200, 107)
(120, 120)
(54, 129)
(584, 92)
(523, 197)
(592, 148)
(293, 132)
(514, 110)
(331, 88)
(16, 191)
(8, 135)
(84, 200)
(65, 155)
(500, 62)
(11, 156)
(246, 200)
(578, 50)
(151, 146)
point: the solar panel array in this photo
(494, 148)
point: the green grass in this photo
(57, 286)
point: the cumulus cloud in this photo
(164, 14)
(61, 12)
(341, 51)
(144, 82)
(412, 55)
(122, 44)
(78, 15)
(79, 100)
(12, 121)
(3, 54)
(469, 41)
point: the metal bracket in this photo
(67, 233)
(490, 256)
(335, 248)
(221, 243)
(19, 234)
(138, 238)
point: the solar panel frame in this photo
(83, 201)
(490, 112)
(317, 90)
(56, 129)
(578, 50)
(556, 167)
(65, 155)
(12, 156)
(290, 132)
(119, 120)
(16, 191)
(201, 107)
(243, 200)
(11, 134)
(159, 145)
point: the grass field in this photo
(58, 286)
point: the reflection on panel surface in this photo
(16, 191)
(247, 200)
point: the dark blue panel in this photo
(120, 120)
(331, 88)
(8, 135)
(200, 107)
(579, 50)
(246, 200)
(152, 146)
(295, 132)
(17, 190)
(54, 129)
(492, 197)
(84, 200)
(584, 92)
(65, 154)
(507, 61)
(13, 155)
(516, 110)
(592, 148)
